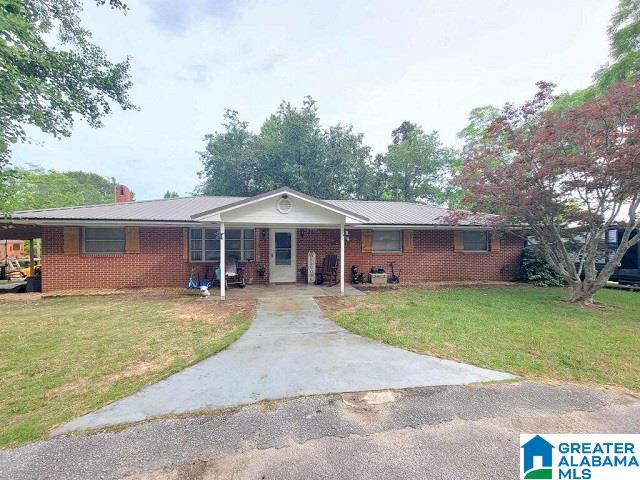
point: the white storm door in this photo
(282, 257)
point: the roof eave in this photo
(94, 221)
(433, 226)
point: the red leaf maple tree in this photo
(566, 176)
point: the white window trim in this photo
(202, 251)
(487, 242)
(373, 250)
(84, 242)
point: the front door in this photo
(282, 260)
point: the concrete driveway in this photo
(291, 349)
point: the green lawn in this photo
(523, 330)
(63, 357)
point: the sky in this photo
(368, 63)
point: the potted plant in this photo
(303, 271)
(261, 270)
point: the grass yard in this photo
(523, 330)
(63, 357)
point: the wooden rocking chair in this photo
(328, 270)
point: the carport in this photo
(21, 232)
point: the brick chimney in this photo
(123, 194)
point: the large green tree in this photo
(229, 167)
(624, 64)
(348, 172)
(51, 73)
(35, 188)
(476, 133)
(292, 149)
(416, 166)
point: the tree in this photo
(347, 169)
(416, 165)
(624, 41)
(567, 175)
(48, 86)
(38, 188)
(94, 188)
(476, 133)
(229, 167)
(291, 149)
(169, 194)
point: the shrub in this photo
(538, 272)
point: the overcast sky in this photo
(369, 63)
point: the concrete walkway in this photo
(291, 349)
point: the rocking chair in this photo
(233, 274)
(328, 270)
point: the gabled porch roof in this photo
(312, 210)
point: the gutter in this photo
(89, 222)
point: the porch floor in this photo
(253, 292)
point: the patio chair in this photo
(328, 270)
(233, 275)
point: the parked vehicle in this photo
(628, 272)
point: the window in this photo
(16, 247)
(387, 241)
(204, 244)
(282, 245)
(104, 240)
(475, 241)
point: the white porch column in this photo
(342, 258)
(222, 262)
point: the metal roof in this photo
(167, 210)
(185, 209)
(408, 213)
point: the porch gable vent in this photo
(284, 205)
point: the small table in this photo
(378, 278)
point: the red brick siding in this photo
(262, 259)
(433, 258)
(160, 262)
(321, 241)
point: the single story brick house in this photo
(157, 243)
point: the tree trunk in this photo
(582, 293)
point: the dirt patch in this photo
(138, 369)
(214, 313)
(21, 297)
(67, 389)
(332, 305)
(138, 292)
(358, 399)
